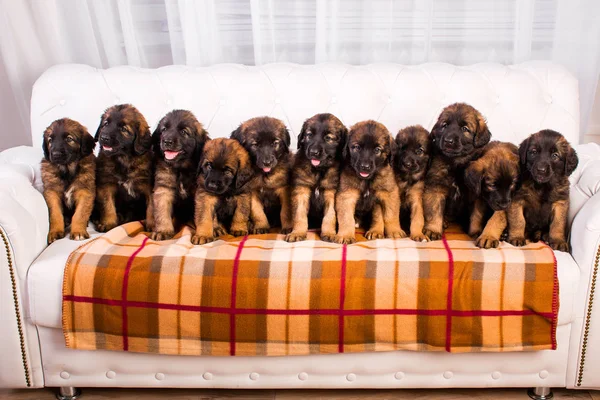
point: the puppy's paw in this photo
(105, 226)
(327, 237)
(559, 245)
(295, 237)
(517, 241)
(432, 235)
(260, 229)
(201, 239)
(397, 234)
(219, 231)
(149, 226)
(162, 235)
(55, 235)
(419, 237)
(79, 234)
(487, 242)
(344, 239)
(537, 236)
(239, 232)
(285, 231)
(374, 234)
(475, 233)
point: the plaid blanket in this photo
(260, 295)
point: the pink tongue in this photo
(169, 155)
(267, 169)
(108, 148)
(364, 174)
(315, 162)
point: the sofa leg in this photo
(540, 393)
(68, 393)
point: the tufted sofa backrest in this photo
(516, 100)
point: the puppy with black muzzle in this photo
(367, 184)
(178, 142)
(540, 207)
(223, 192)
(458, 137)
(267, 140)
(410, 166)
(69, 176)
(316, 175)
(124, 170)
(492, 180)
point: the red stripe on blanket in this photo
(124, 293)
(449, 298)
(342, 298)
(236, 266)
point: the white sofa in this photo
(517, 100)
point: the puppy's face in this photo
(413, 151)
(459, 130)
(123, 130)
(369, 147)
(225, 166)
(179, 136)
(67, 141)
(266, 139)
(546, 155)
(321, 140)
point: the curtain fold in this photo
(37, 34)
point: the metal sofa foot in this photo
(68, 393)
(540, 393)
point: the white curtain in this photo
(36, 34)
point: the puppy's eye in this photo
(69, 139)
(185, 132)
(123, 129)
(163, 129)
(208, 166)
(533, 152)
(49, 140)
(329, 138)
(555, 156)
(228, 172)
(444, 124)
(276, 143)
(419, 151)
(465, 129)
(308, 133)
(378, 150)
(355, 147)
(105, 123)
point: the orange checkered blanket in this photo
(260, 295)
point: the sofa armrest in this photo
(584, 348)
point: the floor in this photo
(189, 394)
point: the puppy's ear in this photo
(156, 138)
(473, 178)
(523, 150)
(143, 138)
(483, 134)
(393, 150)
(285, 134)
(87, 144)
(237, 134)
(245, 171)
(45, 148)
(201, 139)
(302, 135)
(97, 134)
(571, 161)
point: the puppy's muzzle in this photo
(58, 156)
(106, 143)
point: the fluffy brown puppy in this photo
(69, 178)
(367, 184)
(224, 190)
(410, 165)
(124, 170)
(267, 141)
(540, 207)
(491, 180)
(316, 175)
(458, 137)
(178, 142)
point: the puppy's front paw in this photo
(475, 233)
(260, 229)
(397, 234)
(295, 237)
(55, 235)
(285, 231)
(149, 226)
(79, 234)
(162, 235)
(432, 235)
(419, 237)
(374, 234)
(487, 242)
(327, 237)
(239, 232)
(341, 239)
(559, 245)
(105, 226)
(201, 239)
(517, 241)
(219, 231)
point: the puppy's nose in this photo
(168, 142)
(542, 168)
(104, 139)
(365, 167)
(408, 164)
(267, 163)
(57, 154)
(314, 152)
(212, 185)
(449, 140)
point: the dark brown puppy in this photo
(491, 180)
(124, 170)
(540, 207)
(410, 165)
(316, 175)
(224, 191)
(368, 185)
(458, 137)
(267, 141)
(69, 178)
(178, 142)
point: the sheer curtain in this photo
(36, 34)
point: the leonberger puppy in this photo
(223, 192)
(410, 166)
(367, 184)
(458, 137)
(69, 178)
(540, 207)
(178, 141)
(124, 170)
(267, 140)
(316, 175)
(491, 180)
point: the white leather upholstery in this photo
(517, 100)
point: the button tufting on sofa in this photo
(544, 374)
(207, 376)
(303, 376)
(65, 375)
(399, 375)
(159, 376)
(448, 374)
(62, 102)
(254, 376)
(496, 375)
(111, 374)
(351, 377)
